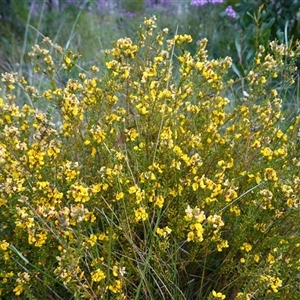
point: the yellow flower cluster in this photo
(154, 168)
(274, 283)
(218, 295)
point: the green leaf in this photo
(280, 36)
(235, 70)
(250, 54)
(267, 26)
(247, 13)
(238, 43)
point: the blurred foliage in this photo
(282, 14)
(13, 14)
(133, 6)
(262, 21)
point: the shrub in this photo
(142, 183)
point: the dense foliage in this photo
(158, 178)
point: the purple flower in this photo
(203, 2)
(129, 14)
(230, 12)
(198, 2)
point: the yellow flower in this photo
(263, 80)
(92, 240)
(131, 134)
(140, 214)
(132, 190)
(67, 60)
(139, 195)
(235, 210)
(198, 231)
(271, 259)
(116, 288)
(159, 201)
(274, 93)
(195, 186)
(274, 282)
(277, 282)
(18, 290)
(98, 275)
(142, 109)
(270, 174)
(79, 193)
(4, 245)
(190, 236)
(163, 231)
(223, 244)
(218, 295)
(256, 144)
(230, 195)
(119, 196)
(40, 239)
(267, 152)
(115, 270)
(96, 188)
(99, 135)
(246, 246)
(216, 220)
(35, 158)
(242, 296)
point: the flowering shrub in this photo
(144, 182)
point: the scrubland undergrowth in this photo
(158, 178)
